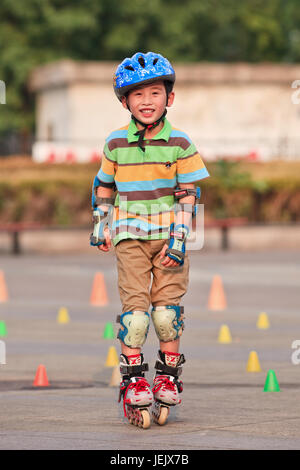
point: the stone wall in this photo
(239, 110)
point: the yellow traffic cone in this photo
(63, 316)
(253, 364)
(263, 321)
(224, 335)
(115, 377)
(112, 359)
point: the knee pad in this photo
(134, 328)
(168, 322)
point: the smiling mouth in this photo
(146, 112)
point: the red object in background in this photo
(70, 157)
(51, 158)
(252, 156)
(95, 157)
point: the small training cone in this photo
(263, 321)
(112, 359)
(3, 288)
(3, 330)
(63, 316)
(253, 364)
(271, 384)
(224, 335)
(115, 377)
(41, 379)
(99, 294)
(108, 331)
(217, 298)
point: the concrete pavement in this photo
(224, 407)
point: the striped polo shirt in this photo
(144, 205)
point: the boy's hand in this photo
(167, 262)
(107, 245)
(176, 245)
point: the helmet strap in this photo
(146, 127)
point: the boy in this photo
(144, 161)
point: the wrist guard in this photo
(100, 220)
(99, 201)
(100, 216)
(179, 193)
(177, 238)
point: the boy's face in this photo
(147, 103)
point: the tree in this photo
(34, 32)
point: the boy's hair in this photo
(142, 69)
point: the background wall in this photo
(228, 110)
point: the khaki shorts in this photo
(136, 260)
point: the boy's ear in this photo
(171, 99)
(124, 102)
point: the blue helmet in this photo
(142, 69)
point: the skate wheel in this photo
(131, 415)
(145, 419)
(160, 414)
(163, 415)
(139, 418)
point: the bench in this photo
(224, 225)
(14, 229)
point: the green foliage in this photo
(61, 194)
(233, 191)
(229, 190)
(35, 32)
(230, 176)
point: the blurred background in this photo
(237, 67)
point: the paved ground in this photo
(224, 407)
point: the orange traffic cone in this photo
(99, 294)
(41, 379)
(3, 289)
(217, 298)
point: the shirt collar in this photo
(163, 134)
